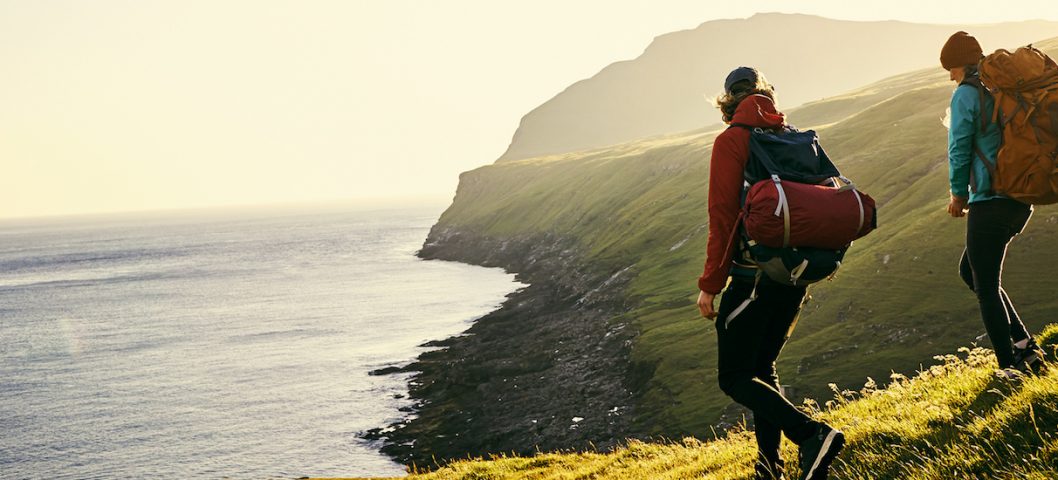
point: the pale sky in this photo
(141, 105)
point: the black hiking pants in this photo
(990, 226)
(748, 344)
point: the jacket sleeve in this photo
(725, 187)
(964, 111)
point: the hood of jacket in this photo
(758, 111)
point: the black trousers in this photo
(990, 226)
(748, 345)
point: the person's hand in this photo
(957, 207)
(705, 304)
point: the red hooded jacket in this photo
(730, 153)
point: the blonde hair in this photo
(727, 102)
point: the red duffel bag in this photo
(791, 214)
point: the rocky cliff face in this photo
(549, 370)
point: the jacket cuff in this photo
(708, 287)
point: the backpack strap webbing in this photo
(981, 105)
(988, 165)
(1052, 111)
(975, 81)
(745, 303)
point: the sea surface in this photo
(226, 343)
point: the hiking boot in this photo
(1009, 373)
(763, 470)
(819, 450)
(1029, 360)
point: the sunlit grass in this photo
(953, 420)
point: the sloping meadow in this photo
(896, 301)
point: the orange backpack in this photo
(1025, 86)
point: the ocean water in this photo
(218, 343)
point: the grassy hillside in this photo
(896, 301)
(952, 420)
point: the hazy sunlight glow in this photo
(123, 105)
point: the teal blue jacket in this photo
(963, 135)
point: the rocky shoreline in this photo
(549, 370)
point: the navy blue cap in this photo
(739, 74)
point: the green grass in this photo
(896, 301)
(954, 419)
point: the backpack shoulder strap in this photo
(986, 119)
(988, 165)
(975, 81)
(752, 129)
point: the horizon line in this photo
(382, 202)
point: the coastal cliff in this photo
(605, 344)
(549, 370)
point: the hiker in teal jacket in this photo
(992, 220)
(965, 138)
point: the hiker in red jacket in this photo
(749, 344)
